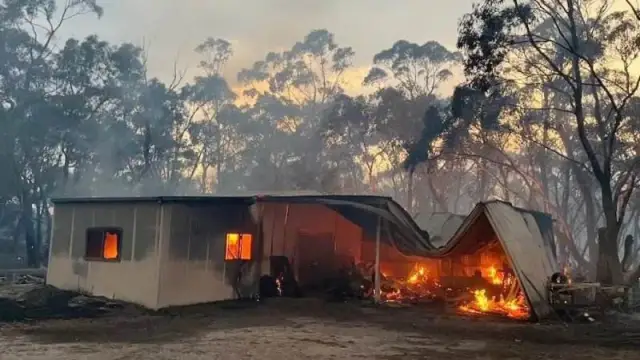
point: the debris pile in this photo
(29, 302)
(487, 291)
(417, 288)
(22, 278)
(503, 296)
(515, 308)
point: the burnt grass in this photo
(99, 321)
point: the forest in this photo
(544, 115)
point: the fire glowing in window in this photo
(110, 247)
(103, 244)
(238, 246)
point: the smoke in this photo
(171, 29)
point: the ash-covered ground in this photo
(306, 329)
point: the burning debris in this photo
(474, 277)
(418, 287)
(486, 292)
(479, 281)
(506, 299)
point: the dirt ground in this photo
(311, 329)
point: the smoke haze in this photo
(171, 29)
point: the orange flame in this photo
(494, 277)
(110, 246)
(417, 275)
(420, 286)
(513, 308)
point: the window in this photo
(103, 244)
(238, 246)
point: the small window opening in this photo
(238, 246)
(103, 244)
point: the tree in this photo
(215, 131)
(509, 44)
(27, 32)
(79, 117)
(93, 78)
(409, 76)
(300, 85)
(418, 70)
(352, 128)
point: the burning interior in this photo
(476, 278)
(310, 255)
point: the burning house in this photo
(170, 251)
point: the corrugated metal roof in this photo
(283, 196)
(152, 199)
(441, 226)
(522, 238)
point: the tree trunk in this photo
(17, 233)
(609, 267)
(563, 248)
(410, 193)
(65, 173)
(590, 216)
(49, 233)
(440, 201)
(481, 189)
(543, 158)
(38, 233)
(628, 253)
(32, 253)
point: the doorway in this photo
(315, 259)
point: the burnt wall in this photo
(63, 223)
(193, 269)
(133, 278)
(198, 231)
(137, 222)
(291, 229)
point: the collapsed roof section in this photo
(441, 226)
(398, 228)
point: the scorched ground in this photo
(311, 329)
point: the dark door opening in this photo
(315, 259)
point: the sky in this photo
(171, 29)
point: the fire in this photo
(494, 277)
(490, 291)
(514, 308)
(110, 247)
(511, 301)
(417, 287)
(481, 300)
(417, 275)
